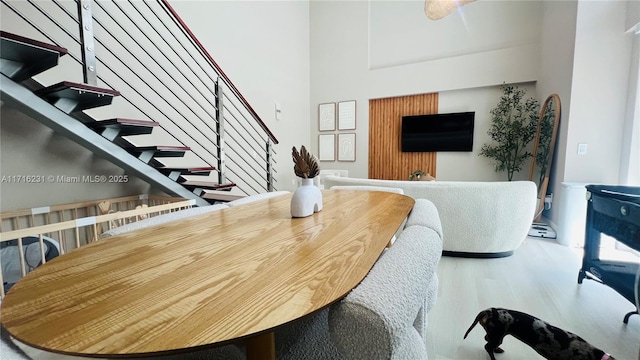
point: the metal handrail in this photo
(219, 70)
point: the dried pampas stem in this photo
(304, 163)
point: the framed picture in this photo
(327, 117)
(326, 147)
(347, 147)
(347, 115)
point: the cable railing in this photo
(163, 73)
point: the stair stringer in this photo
(24, 100)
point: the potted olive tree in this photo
(513, 127)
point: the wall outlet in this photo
(582, 149)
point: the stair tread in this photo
(23, 58)
(220, 196)
(188, 170)
(5, 35)
(208, 184)
(159, 148)
(148, 153)
(77, 96)
(119, 122)
(122, 127)
(178, 173)
(69, 88)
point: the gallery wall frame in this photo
(327, 117)
(347, 147)
(347, 115)
(327, 147)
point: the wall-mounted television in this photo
(438, 132)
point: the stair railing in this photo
(163, 73)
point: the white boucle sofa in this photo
(479, 219)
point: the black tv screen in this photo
(438, 132)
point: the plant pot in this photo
(306, 199)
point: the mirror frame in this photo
(542, 186)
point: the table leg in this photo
(261, 347)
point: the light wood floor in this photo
(539, 279)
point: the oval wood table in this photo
(208, 280)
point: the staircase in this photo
(62, 107)
(54, 106)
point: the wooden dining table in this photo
(208, 280)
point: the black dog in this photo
(547, 340)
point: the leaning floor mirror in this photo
(543, 146)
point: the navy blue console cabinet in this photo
(614, 211)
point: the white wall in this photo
(469, 166)
(363, 50)
(263, 47)
(30, 148)
(598, 93)
(599, 81)
(401, 34)
(339, 58)
(630, 157)
(633, 15)
(556, 70)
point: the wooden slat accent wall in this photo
(386, 160)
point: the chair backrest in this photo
(384, 316)
(370, 188)
(257, 197)
(325, 173)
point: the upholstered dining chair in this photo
(257, 197)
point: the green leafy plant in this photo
(513, 126)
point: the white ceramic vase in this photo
(306, 199)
